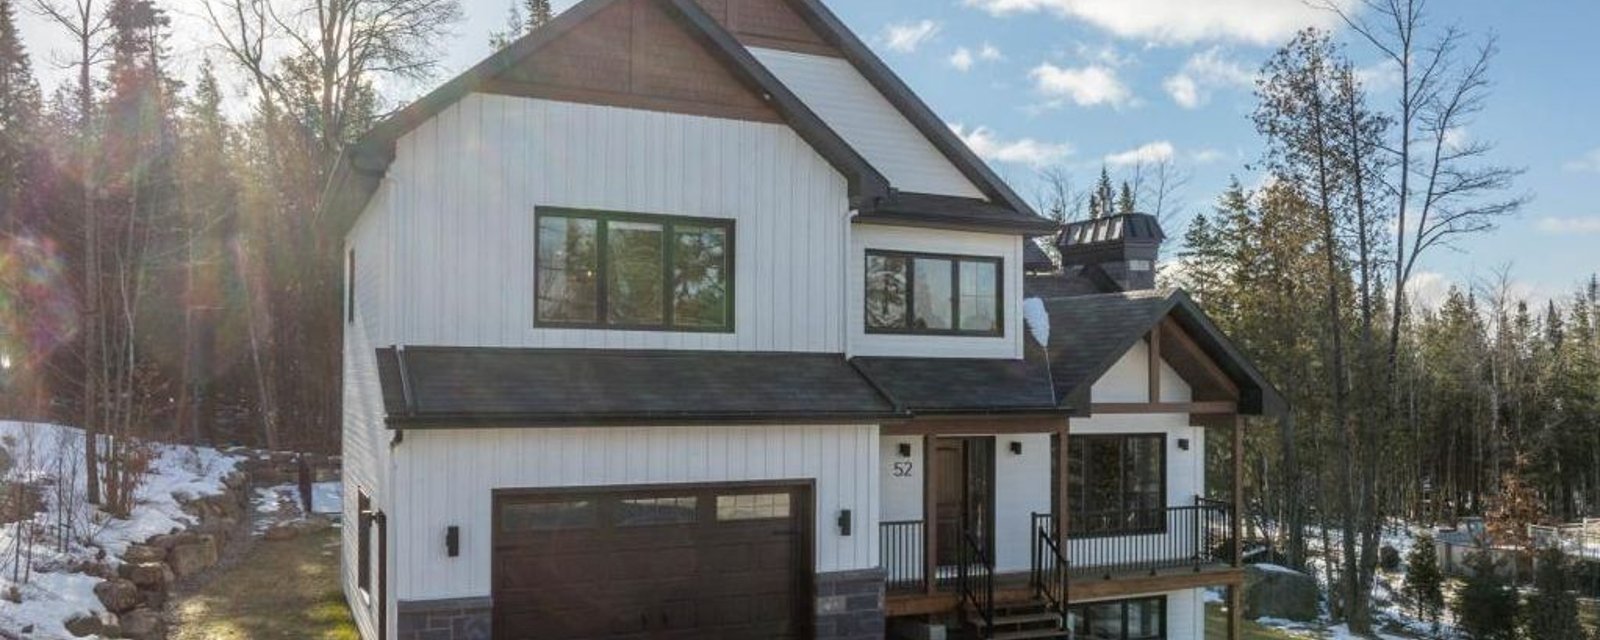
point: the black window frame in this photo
(1081, 610)
(955, 294)
(1078, 495)
(350, 288)
(669, 253)
(364, 516)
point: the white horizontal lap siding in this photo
(959, 243)
(365, 439)
(447, 478)
(860, 114)
(471, 178)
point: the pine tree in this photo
(1552, 611)
(1424, 581)
(522, 18)
(19, 113)
(1487, 606)
(1101, 201)
(1126, 203)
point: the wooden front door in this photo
(963, 495)
(659, 563)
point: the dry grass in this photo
(286, 589)
(1217, 627)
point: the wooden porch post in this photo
(930, 542)
(1236, 591)
(1062, 458)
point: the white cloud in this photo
(1028, 151)
(1151, 153)
(1090, 86)
(1590, 162)
(1383, 76)
(1576, 225)
(990, 53)
(1428, 289)
(905, 37)
(1181, 21)
(962, 59)
(1208, 156)
(1204, 73)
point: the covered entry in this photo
(730, 561)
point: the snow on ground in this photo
(53, 454)
(281, 503)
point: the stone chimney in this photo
(1124, 246)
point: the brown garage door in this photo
(713, 562)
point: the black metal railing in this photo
(975, 575)
(903, 555)
(1148, 540)
(1050, 566)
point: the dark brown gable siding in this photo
(634, 54)
(772, 24)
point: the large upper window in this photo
(933, 294)
(1140, 619)
(630, 271)
(1116, 485)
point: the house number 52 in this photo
(902, 469)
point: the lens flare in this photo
(38, 305)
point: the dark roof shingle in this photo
(958, 385)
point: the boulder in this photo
(101, 624)
(150, 576)
(169, 540)
(118, 595)
(194, 557)
(142, 624)
(141, 553)
(1271, 591)
(1389, 558)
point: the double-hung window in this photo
(933, 294)
(607, 270)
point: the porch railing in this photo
(903, 555)
(1050, 566)
(1145, 540)
(975, 577)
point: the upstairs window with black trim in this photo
(922, 294)
(350, 289)
(607, 270)
(1116, 485)
(364, 541)
(1137, 619)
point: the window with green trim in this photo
(917, 293)
(611, 270)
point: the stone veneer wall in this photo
(850, 605)
(460, 619)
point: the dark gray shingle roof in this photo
(958, 385)
(446, 386)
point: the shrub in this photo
(1486, 608)
(1424, 585)
(1552, 611)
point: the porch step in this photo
(1023, 620)
(1019, 619)
(1032, 634)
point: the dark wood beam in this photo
(1063, 496)
(1181, 345)
(1220, 407)
(1154, 366)
(975, 425)
(1082, 589)
(930, 543)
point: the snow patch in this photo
(1037, 317)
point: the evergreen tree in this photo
(1487, 606)
(1103, 198)
(1424, 581)
(1552, 610)
(19, 113)
(523, 17)
(1126, 203)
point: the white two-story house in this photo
(687, 319)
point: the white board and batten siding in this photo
(960, 243)
(447, 478)
(849, 104)
(365, 438)
(467, 184)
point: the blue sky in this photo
(1081, 83)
